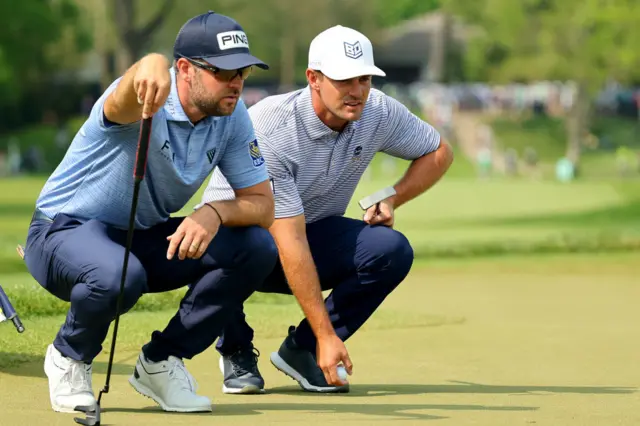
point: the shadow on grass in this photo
(399, 411)
(29, 365)
(458, 387)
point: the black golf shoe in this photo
(301, 365)
(240, 372)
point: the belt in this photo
(38, 215)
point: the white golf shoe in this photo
(169, 384)
(69, 382)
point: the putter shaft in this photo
(93, 413)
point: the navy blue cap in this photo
(217, 39)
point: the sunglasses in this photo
(224, 75)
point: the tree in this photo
(29, 32)
(134, 35)
(390, 13)
(280, 31)
(584, 41)
(37, 38)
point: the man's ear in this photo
(312, 78)
(182, 66)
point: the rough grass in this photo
(268, 320)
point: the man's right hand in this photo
(152, 83)
(330, 351)
(195, 233)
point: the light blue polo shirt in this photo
(95, 178)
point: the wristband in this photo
(215, 210)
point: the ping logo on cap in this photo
(232, 40)
(353, 51)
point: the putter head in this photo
(93, 415)
(376, 197)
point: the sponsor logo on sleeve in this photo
(256, 155)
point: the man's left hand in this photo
(380, 214)
(194, 234)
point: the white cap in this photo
(342, 53)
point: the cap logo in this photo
(232, 40)
(353, 51)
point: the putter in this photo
(8, 313)
(375, 198)
(93, 413)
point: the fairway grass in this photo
(457, 215)
(458, 218)
(522, 340)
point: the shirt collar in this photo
(173, 107)
(314, 127)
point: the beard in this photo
(212, 106)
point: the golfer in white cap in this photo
(317, 142)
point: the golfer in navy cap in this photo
(75, 243)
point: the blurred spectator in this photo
(4, 167)
(485, 162)
(484, 136)
(14, 158)
(62, 139)
(539, 108)
(565, 170)
(511, 162)
(33, 161)
(530, 157)
(625, 161)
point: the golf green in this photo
(545, 340)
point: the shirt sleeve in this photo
(285, 191)
(283, 185)
(98, 122)
(242, 163)
(406, 135)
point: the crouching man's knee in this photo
(260, 252)
(250, 252)
(388, 254)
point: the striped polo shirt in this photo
(314, 170)
(95, 178)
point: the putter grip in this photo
(143, 148)
(17, 323)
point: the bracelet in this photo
(215, 210)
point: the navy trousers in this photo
(82, 263)
(362, 265)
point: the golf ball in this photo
(342, 373)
